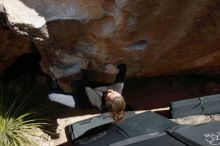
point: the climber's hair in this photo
(117, 107)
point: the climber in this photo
(103, 96)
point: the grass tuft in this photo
(17, 123)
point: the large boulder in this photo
(151, 37)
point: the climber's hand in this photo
(111, 69)
(84, 63)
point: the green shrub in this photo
(17, 124)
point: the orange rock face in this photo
(12, 46)
(151, 37)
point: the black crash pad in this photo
(204, 105)
(145, 123)
(199, 135)
(153, 139)
(78, 129)
(109, 132)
